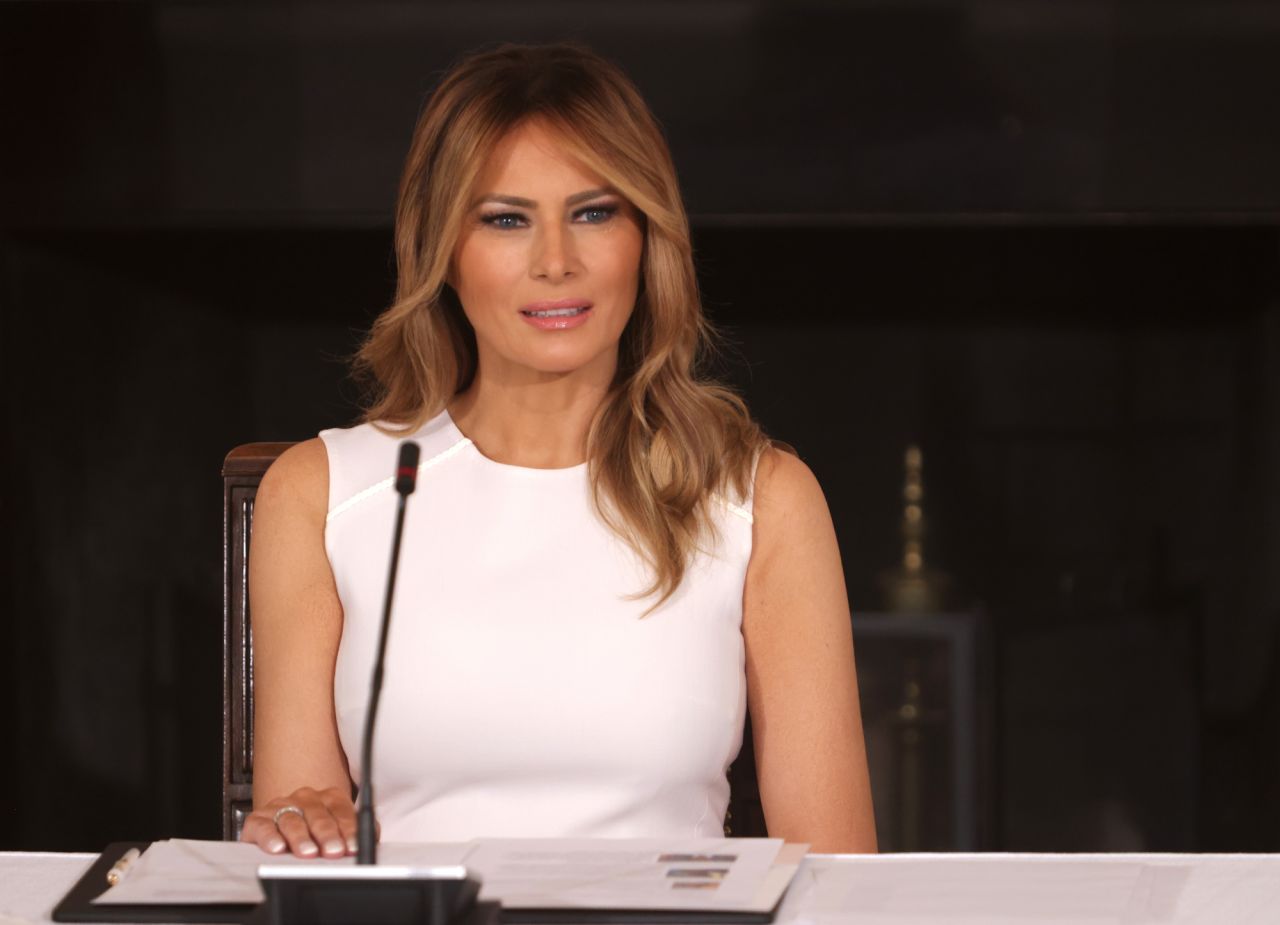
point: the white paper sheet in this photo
(723, 874)
(182, 870)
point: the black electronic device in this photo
(371, 895)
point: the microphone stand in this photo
(366, 827)
(370, 893)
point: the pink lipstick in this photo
(556, 314)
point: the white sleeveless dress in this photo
(525, 695)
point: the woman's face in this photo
(548, 262)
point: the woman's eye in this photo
(504, 220)
(595, 215)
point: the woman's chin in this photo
(560, 363)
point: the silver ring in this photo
(286, 809)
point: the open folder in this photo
(726, 880)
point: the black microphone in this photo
(366, 828)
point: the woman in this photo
(605, 560)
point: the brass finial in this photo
(913, 513)
(913, 587)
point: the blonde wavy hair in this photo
(666, 444)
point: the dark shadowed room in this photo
(997, 280)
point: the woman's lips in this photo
(557, 314)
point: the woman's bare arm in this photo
(802, 688)
(297, 624)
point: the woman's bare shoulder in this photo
(786, 488)
(298, 479)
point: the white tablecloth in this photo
(904, 889)
(32, 883)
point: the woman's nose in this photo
(554, 257)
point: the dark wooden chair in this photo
(241, 472)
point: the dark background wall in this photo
(1040, 239)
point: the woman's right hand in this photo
(324, 824)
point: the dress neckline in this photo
(535, 471)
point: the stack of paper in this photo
(743, 876)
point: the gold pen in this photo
(121, 867)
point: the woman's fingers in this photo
(314, 831)
(296, 829)
(325, 830)
(344, 814)
(308, 823)
(261, 831)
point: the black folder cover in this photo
(77, 906)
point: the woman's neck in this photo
(538, 425)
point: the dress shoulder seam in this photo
(740, 511)
(736, 509)
(377, 487)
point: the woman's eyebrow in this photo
(587, 194)
(508, 201)
(522, 203)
